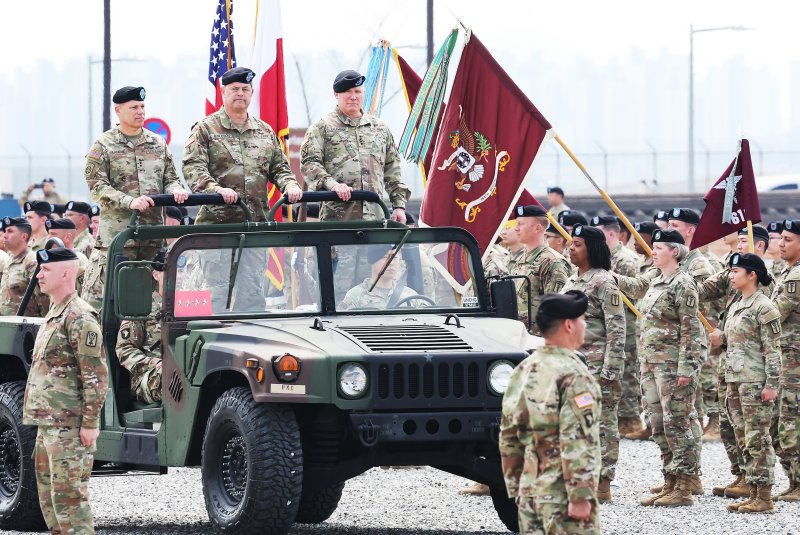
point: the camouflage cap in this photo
(40, 207)
(569, 305)
(588, 233)
(60, 224)
(128, 93)
(241, 75)
(668, 236)
(347, 80)
(80, 207)
(56, 254)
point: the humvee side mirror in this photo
(133, 292)
(504, 298)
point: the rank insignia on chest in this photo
(615, 300)
(91, 339)
(584, 400)
(691, 301)
(791, 287)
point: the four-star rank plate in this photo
(189, 303)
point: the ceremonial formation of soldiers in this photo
(603, 364)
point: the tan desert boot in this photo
(762, 502)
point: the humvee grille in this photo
(445, 380)
(407, 338)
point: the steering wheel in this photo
(408, 298)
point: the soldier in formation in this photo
(555, 198)
(80, 213)
(551, 413)
(604, 343)
(348, 149)
(18, 271)
(37, 212)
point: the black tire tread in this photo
(274, 481)
(320, 505)
(26, 514)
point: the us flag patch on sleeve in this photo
(584, 400)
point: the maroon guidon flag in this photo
(731, 202)
(487, 141)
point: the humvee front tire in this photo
(252, 465)
(19, 502)
(506, 508)
(318, 506)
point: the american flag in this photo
(222, 54)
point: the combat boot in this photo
(680, 496)
(762, 502)
(720, 491)
(742, 490)
(666, 488)
(478, 489)
(792, 487)
(711, 431)
(734, 507)
(604, 491)
(644, 434)
(695, 485)
(628, 425)
(792, 494)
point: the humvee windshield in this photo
(285, 280)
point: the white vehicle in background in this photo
(778, 183)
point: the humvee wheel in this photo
(252, 465)
(506, 508)
(19, 502)
(318, 506)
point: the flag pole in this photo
(751, 246)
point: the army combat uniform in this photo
(359, 152)
(547, 272)
(139, 352)
(66, 388)
(361, 297)
(244, 158)
(84, 242)
(495, 263)
(550, 441)
(604, 348)
(18, 272)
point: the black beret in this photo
(347, 80)
(792, 225)
(645, 227)
(570, 305)
(128, 93)
(56, 254)
(570, 218)
(751, 262)
(58, 208)
(160, 260)
(173, 212)
(376, 252)
(16, 222)
(775, 226)
(409, 218)
(187, 220)
(661, 215)
(759, 233)
(554, 230)
(48, 180)
(241, 75)
(588, 233)
(687, 215)
(80, 207)
(556, 189)
(669, 235)
(95, 210)
(531, 210)
(600, 220)
(40, 207)
(60, 224)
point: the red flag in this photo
(269, 100)
(739, 183)
(222, 54)
(488, 139)
(525, 198)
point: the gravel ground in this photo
(425, 501)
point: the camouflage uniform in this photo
(84, 242)
(753, 361)
(775, 267)
(550, 441)
(139, 352)
(66, 388)
(361, 297)
(18, 272)
(670, 336)
(626, 262)
(787, 425)
(36, 245)
(495, 262)
(53, 197)
(514, 258)
(555, 210)
(94, 279)
(246, 158)
(604, 347)
(358, 152)
(547, 271)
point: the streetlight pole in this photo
(90, 115)
(693, 31)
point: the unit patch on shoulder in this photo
(125, 333)
(791, 287)
(584, 400)
(691, 301)
(775, 326)
(615, 300)
(91, 339)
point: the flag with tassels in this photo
(375, 83)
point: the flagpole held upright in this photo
(751, 246)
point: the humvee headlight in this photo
(499, 374)
(353, 380)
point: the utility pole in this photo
(430, 32)
(106, 65)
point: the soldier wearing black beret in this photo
(80, 214)
(18, 270)
(363, 155)
(773, 257)
(570, 218)
(94, 220)
(661, 218)
(37, 213)
(555, 198)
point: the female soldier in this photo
(670, 356)
(752, 374)
(605, 337)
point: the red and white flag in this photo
(269, 85)
(222, 54)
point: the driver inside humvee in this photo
(380, 290)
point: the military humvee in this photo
(282, 401)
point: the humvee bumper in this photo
(373, 428)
